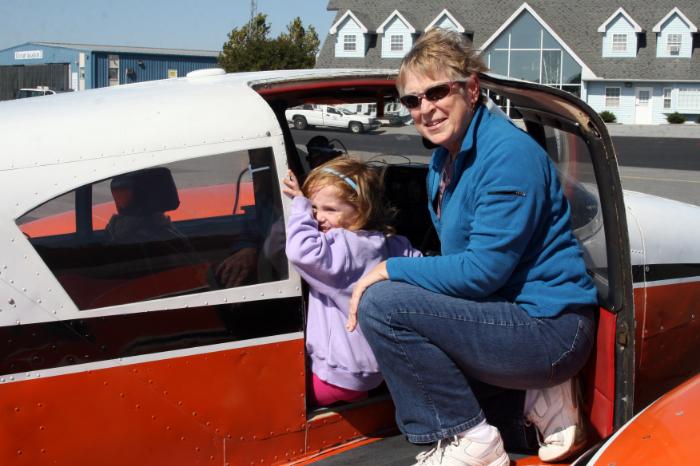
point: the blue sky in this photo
(198, 24)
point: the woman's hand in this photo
(377, 274)
(291, 185)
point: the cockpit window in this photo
(186, 227)
(575, 169)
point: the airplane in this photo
(149, 315)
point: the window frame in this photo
(349, 42)
(505, 46)
(615, 46)
(612, 101)
(113, 65)
(90, 229)
(688, 98)
(671, 44)
(396, 43)
(667, 97)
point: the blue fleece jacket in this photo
(505, 226)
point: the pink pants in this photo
(324, 394)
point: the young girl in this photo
(337, 231)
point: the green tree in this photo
(302, 43)
(250, 48)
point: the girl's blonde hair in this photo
(360, 185)
(441, 51)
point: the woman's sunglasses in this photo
(433, 94)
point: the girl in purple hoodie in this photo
(337, 231)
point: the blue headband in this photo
(347, 179)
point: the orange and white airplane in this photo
(148, 314)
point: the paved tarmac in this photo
(688, 130)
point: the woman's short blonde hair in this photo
(373, 213)
(440, 51)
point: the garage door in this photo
(53, 75)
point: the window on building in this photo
(113, 70)
(689, 98)
(667, 97)
(551, 67)
(612, 96)
(619, 43)
(160, 232)
(172, 73)
(396, 43)
(350, 42)
(673, 43)
(526, 50)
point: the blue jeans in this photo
(428, 345)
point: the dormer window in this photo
(396, 34)
(350, 42)
(396, 43)
(620, 35)
(674, 35)
(619, 43)
(351, 36)
(674, 43)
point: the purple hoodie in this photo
(331, 263)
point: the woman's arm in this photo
(377, 274)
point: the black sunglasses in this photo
(433, 94)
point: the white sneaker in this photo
(555, 413)
(463, 451)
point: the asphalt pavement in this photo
(663, 160)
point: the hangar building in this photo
(77, 67)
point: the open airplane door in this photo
(577, 140)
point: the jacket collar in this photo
(468, 143)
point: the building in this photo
(81, 66)
(638, 60)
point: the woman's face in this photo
(443, 122)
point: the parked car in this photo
(33, 92)
(325, 115)
(123, 342)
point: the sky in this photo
(178, 24)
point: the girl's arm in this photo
(323, 260)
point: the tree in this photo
(303, 44)
(250, 48)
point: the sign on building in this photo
(29, 55)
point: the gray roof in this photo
(576, 23)
(136, 50)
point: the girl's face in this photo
(331, 210)
(443, 122)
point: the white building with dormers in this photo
(638, 60)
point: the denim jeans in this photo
(429, 344)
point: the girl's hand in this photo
(291, 185)
(377, 274)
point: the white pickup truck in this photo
(325, 115)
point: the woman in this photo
(508, 302)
